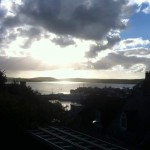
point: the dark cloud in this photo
(23, 64)
(2, 13)
(2, 34)
(92, 19)
(12, 37)
(12, 21)
(137, 52)
(114, 59)
(94, 49)
(32, 34)
(27, 44)
(134, 42)
(93, 52)
(6, 37)
(111, 42)
(63, 41)
(8, 27)
(80, 19)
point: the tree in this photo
(3, 79)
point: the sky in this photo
(108, 39)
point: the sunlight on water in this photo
(65, 104)
(65, 86)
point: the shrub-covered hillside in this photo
(22, 108)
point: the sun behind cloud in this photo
(50, 53)
(74, 38)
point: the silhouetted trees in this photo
(3, 79)
(21, 107)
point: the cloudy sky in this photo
(75, 38)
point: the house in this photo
(126, 119)
(132, 124)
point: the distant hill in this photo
(119, 81)
(51, 79)
(37, 79)
(41, 79)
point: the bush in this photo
(3, 79)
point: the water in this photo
(66, 86)
(65, 104)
